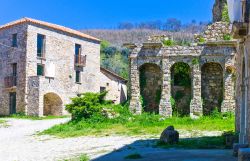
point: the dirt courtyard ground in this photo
(19, 142)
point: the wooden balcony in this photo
(80, 60)
(10, 81)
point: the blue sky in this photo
(81, 14)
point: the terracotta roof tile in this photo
(49, 25)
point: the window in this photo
(78, 49)
(78, 76)
(77, 53)
(14, 69)
(102, 89)
(40, 69)
(14, 40)
(14, 74)
(40, 45)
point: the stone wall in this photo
(216, 31)
(115, 85)
(151, 87)
(212, 87)
(8, 56)
(59, 51)
(221, 52)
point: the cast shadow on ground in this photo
(147, 150)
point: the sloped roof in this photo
(49, 25)
(113, 74)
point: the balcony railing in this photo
(80, 60)
(10, 81)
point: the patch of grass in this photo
(217, 142)
(2, 121)
(23, 116)
(133, 156)
(82, 157)
(145, 124)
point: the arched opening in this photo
(150, 87)
(211, 87)
(53, 105)
(180, 89)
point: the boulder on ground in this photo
(170, 135)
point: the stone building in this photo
(115, 85)
(43, 65)
(212, 73)
(239, 12)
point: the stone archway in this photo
(150, 87)
(211, 87)
(53, 105)
(180, 89)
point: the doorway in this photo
(12, 103)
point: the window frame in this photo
(43, 71)
(43, 46)
(78, 77)
(14, 40)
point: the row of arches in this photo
(181, 87)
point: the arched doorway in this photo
(53, 105)
(150, 87)
(211, 87)
(180, 89)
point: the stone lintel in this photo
(130, 45)
(222, 43)
(152, 45)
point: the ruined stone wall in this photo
(222, 53)
(8, 56)
(150, 87)
(216, 31)
(212, 87)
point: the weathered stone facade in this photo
(46, 94)
(115, 85)
(212, 60)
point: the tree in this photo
(225, 15)
(172, 24)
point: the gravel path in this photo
(18, 143)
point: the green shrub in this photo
(169, 42)
(202, 40)
(86, 105)
(195, 61)
(227, 37)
